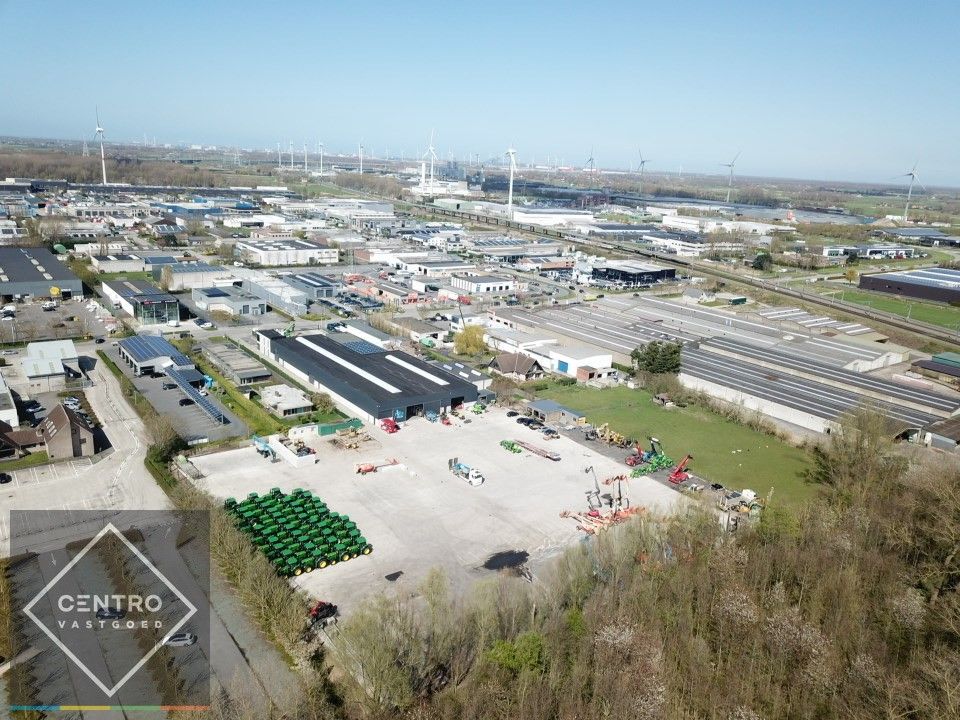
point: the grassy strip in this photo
(313, 417)
(256, 418)
(941, 315)
(19, 682)
(27, 461)
(724, 451)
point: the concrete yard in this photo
(419, 516)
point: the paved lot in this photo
(70, 319)
(419, 516)
(190, 420)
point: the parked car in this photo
(99, 341)
(157, 375)
(169, 386)
(180, 639)
(524, 420)
(512, 413)
(5, 478)
(111, 613)
(186, 401)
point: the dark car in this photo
(157, 376)
(111, 613)
(512, 413)
(524, 420)
(99, 341)
(186, 401)
(5, 478)
(169, 386)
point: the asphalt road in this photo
(119, 484)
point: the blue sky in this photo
(832, 90)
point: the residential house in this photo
(517, 366)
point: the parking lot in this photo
(70, 319)
(418, 515)
(189, 420)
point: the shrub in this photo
(526, 652)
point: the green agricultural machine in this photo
(297, 533)
(511, 446)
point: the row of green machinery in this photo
(297, 532)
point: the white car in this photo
(180, 640)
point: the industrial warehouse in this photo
(941, 284)
(365, 379)
(35, 272)
(774, 361)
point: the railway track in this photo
(925, 330)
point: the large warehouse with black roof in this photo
(364, 379)
(36, 271)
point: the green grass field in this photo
(723, 451)
(942, 315)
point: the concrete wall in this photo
(750, 402)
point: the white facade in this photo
(8, 408)
(689, 223)
(476, 283)
(693, 246)
(292, 251)
(247, 221)
(550, 217)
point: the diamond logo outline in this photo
(27, 610)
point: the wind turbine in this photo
(360, 154)
(591, 167)
(320, 147)
(432, 153)
(512, 154)
(914, 178)
(103, 156)
(730, 165)
(643, 162)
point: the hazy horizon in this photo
(800, 97)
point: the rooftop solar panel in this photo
(147, 347)
(215, 292)
(202, 401)
(362, 347)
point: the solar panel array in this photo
(215, 292)
(202, 401)
(362, 347)
(148, 347)
(800, 317)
